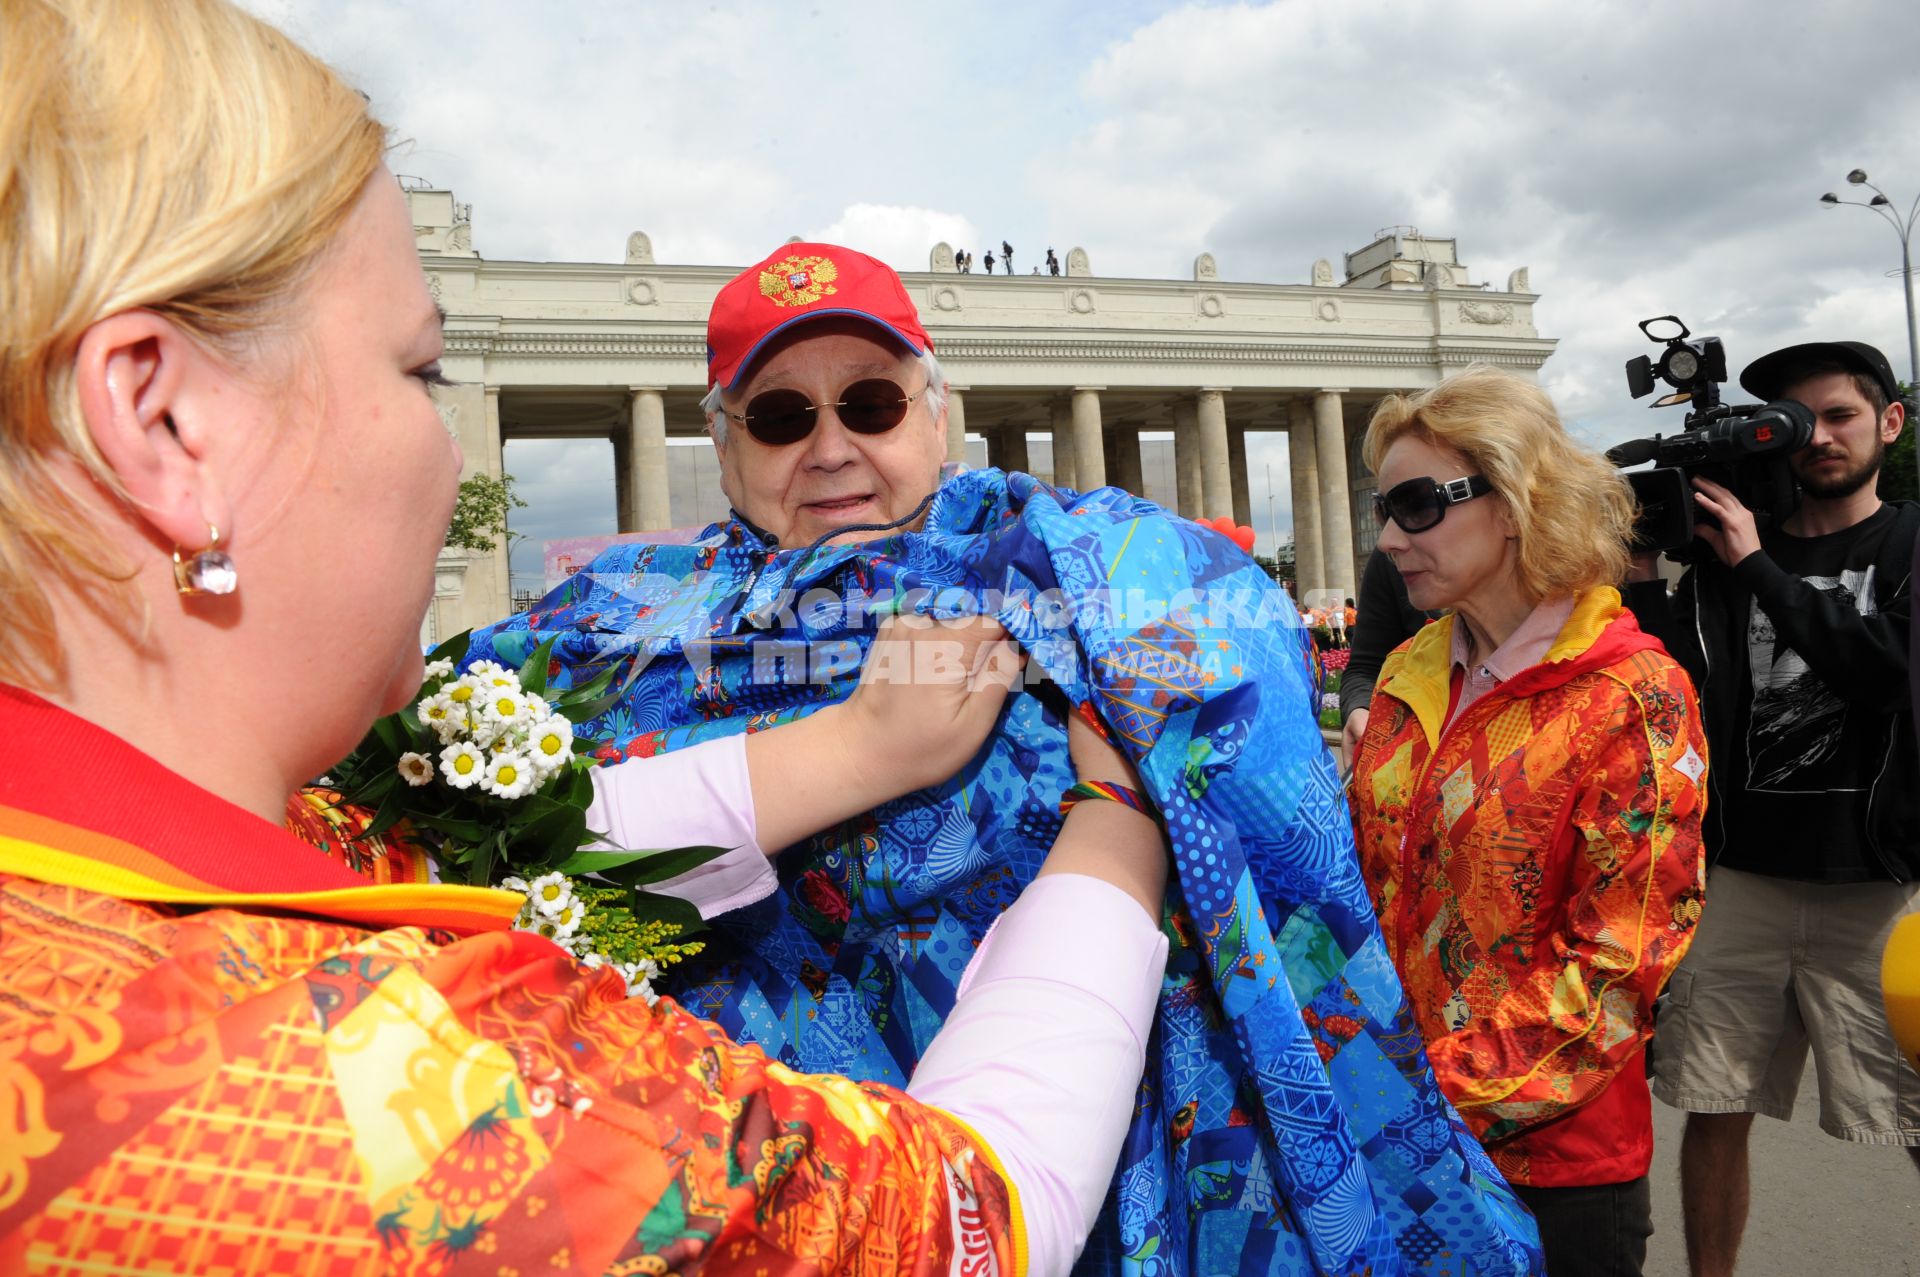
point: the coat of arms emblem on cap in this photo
(799, 281)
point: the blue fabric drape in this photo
(1288, 1122)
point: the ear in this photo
(720, 430)
(940, 418)
(722, 451)
(134, 373)
(1503, 511)
(1891, 423)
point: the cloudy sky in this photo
(1640, 160)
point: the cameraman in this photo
(1797, 639)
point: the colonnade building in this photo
(1067, 370)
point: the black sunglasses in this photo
(780, 417)
(1419, 504)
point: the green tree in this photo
(480, 513)
(1281, 566)
(1899, 477)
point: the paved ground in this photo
(1821, 1207)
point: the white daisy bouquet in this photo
(483, 767)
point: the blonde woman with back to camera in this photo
(221, 1050)
(1526, 800)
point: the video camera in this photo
(1744, 447)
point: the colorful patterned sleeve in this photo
(237, 1091)
(1634, 897)
(317, 816)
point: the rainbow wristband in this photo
(1110, 792)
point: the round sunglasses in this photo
(870, 407)
(1419, 504)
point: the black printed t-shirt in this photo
(1809, 759)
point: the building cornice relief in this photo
(580, 345)
(1530, 355)
(1415, 353)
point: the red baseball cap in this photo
(796, 283)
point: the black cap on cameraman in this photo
(1768, 376)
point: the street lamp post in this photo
(1273, 527)
(1904, 229)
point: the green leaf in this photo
(483, 857)
(593, 687)
(390, 736)
(463, 831)
(377, 788)
(592, 709)
(548, 837)
(575, 787)
(386, 816)
(533, 671)
(454, 649)
(637, 868)
(646, 907)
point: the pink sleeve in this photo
(1043, 1052)
(697, 796)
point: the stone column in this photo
(472, 413)
(1013, 449)
(647, 457)
(494, 581)
(1186, 456)
(442, 620)
(1089, 461)
(623, 481)
(956, 425)
(1336, 511)
(1127, 472)
(1309, 571)
(1063, 472)
(1242, 486)
(1216, 473)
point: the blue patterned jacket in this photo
(1288, 1122)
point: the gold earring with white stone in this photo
(210, 571)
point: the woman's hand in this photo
(1108, 840)
(929, 694)
(1095, 758)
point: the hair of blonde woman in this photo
(182, 158)
(1574, 512)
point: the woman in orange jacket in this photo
(1527, 800)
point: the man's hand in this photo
(1350, 734)
(928, 695)
(1736, 537)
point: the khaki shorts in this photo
(1777, 967)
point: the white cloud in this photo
(902, 236)
(1637, 164)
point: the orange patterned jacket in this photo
(223, 1052)
(1537, 871)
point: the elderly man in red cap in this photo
(828, 408)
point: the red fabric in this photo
(51, 762)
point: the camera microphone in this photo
(1634, 451)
